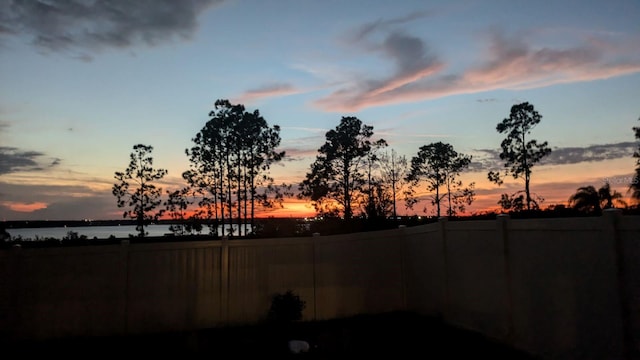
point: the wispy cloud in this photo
(420, 135)
(489, 159)
(62, 25)
(574, 155)
(299, 154)
(306, 128)
(13, 159)
(413, 62)
(362, 32)
(304, 148)
(267, 91)
(510, 63)
(514, 64)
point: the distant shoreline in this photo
(63, 223)
(20, 224)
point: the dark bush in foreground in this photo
(286, 307)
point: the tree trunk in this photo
(449, 196)
(525, 165)
(438, 200)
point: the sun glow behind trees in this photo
(354, 175)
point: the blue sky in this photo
(83, 81)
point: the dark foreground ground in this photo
(399, 335)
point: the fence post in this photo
(611, 233)
(403, 276)
(224, 281)
(315, 284)
(124, 263)
(503, 234)
(442, 229)
(15, 294)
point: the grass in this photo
(397, 334)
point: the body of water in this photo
(100, 232)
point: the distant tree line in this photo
(353, 178)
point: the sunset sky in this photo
(82, 81)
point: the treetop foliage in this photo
(439, 165)
(519, 154)
(335, 182)
(229, 165)
(588, 199)
(136, 190)
(634, 187)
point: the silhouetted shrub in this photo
(286, 307)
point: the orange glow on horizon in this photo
(555, 184)
(295, 209)
(483, 204)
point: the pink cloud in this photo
(511, 64)
(24, 207)
(413, 63)
(267, 91)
